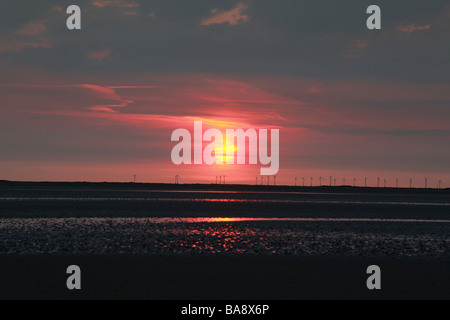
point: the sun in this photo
(224, 155)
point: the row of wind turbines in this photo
(219, 179)
(266, 180)
(380, 182)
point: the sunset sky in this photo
(100, 104)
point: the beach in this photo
(143, 241)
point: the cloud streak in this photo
(32, 28)
(233, 17)
(412, 27)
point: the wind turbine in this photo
(410, 183)
(223, 179)
(354, 182)
(220, 179)
(256, 180)
(365, 182)
(312, 181)
(378, 182)
(320, 181)
(303, 181)
(439, 184)
(134, 178)
(177, 179)
(331, 180)
(343, 181)
(262, 180)
(295, 183)
(268, 180)
(396, 183)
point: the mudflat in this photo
(146, 241)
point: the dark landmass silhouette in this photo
(226, 187)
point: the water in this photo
(166, 222)
(401, 203)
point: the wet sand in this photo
(269, 237)
(144, 242)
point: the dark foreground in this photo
(227, 278)
(186, 242)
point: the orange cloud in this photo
(32, 28)
(99, 55)
(234, 17)
(410, 28)
(57, 8)
(356, 49)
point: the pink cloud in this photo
(106, 93)
(52, 99)
(233, 17)
(315, 89)
(16, 45)
(116, 3)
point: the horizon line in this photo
(227, 184)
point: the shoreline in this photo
(227, 187)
